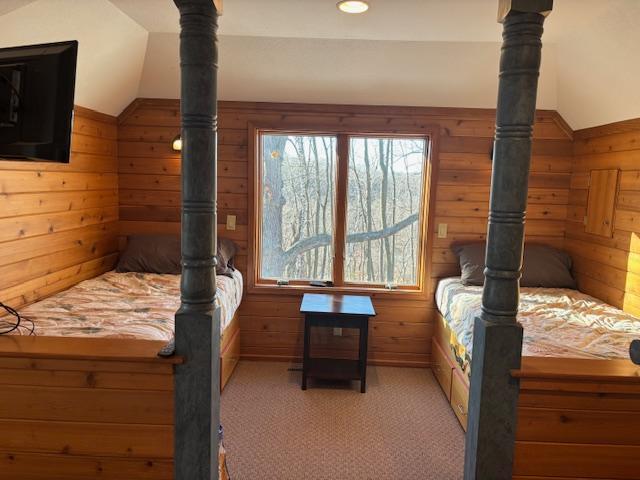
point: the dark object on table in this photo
(321, 283)
(337, 311)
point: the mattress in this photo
(124, 305)
(557, 322)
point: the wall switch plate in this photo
(231, 222)
(337, 332)
(442, 230)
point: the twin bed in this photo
(133, 305)
(579, 409)
(88, 396)
(557, 322)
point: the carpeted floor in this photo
(402, 428)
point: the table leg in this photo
(364, 342)
(305, 359)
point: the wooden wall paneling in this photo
(149, 187)
(601, 203)
(580, 427)
(53, 410)
(607, 267)
(580, 461)
(58, 222)
(32, 466)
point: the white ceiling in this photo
(366, 72)
(403, 52)
(406, 20)
(7, 6)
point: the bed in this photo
(88, 396)
(579, 409)
(134, 305)
(557, 322)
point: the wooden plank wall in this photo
(58, 222)
(271, 326)
(106, 413)
(578, 427)
(608, 268)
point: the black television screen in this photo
(37, 85)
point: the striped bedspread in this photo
(123, 305)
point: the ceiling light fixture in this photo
(353, 6)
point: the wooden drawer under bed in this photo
(577, 418)
(441, 367)
(460, 397)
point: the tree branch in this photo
(321, 240)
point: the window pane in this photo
(384, 200)
(297, 191)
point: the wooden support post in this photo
(197, 381)
(497, 342)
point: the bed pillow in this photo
(471, 256)
(151, 254)
(225, 253)
(544, 266)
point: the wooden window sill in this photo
(293, 290)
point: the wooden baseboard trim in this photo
(292, 359)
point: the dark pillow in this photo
(471, 256)
(225, 253)
(161, 254)
(151, 254)
(543, 266)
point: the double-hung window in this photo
(345, 208)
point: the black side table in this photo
(337, 311)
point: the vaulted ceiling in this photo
(401, 52)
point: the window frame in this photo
(360, 129)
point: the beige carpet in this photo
(402, 428)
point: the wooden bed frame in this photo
(78, 408)
(576, 418)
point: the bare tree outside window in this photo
(384, 200)
(386, 176)
(298, 195)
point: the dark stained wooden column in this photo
(497, 342)
(197, 385)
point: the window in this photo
(338, 207)
(384, 200)
(297, 206)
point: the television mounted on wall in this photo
(37, 86)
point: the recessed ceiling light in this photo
(353, 6)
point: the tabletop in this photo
(337, 304)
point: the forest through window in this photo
(381, 208)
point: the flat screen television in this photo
(37, 86)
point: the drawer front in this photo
(460, 398)
(441, 368)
